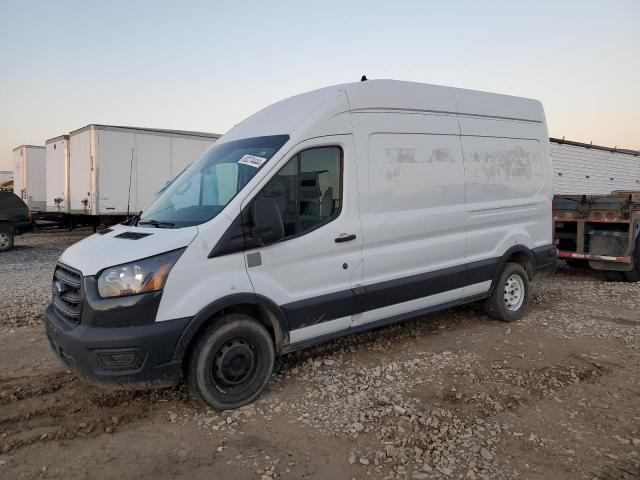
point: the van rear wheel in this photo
(510, 296)
(231, 362)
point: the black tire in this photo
(231, 362)
(613, 276)
(496, 305)
(6, 238)
(634, 275)
(573, 263)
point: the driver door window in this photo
(308, 190)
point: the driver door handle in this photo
(345, 238)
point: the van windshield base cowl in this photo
(210, 183)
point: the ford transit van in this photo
(328, 213)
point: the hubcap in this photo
(514, 292)
(4, 240)
(233, 363)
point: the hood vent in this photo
(132, 235)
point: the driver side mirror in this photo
(267, 220)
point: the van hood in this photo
(121, 244)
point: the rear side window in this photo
(308, 190)
(9, 200)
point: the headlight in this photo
(146, 275)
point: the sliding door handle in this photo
(345, 238)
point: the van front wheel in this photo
(231, 362)
(510, 296)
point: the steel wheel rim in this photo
(514, 291)
(4, 240)
(234, 363)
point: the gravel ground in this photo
(449, 395)
(26, 272)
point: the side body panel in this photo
(18, 172)
(507, 185)
(144, 160)
(30, 176)
(152, 157)
(80, 172)
(36, 178)
(185, 151)
(411, 186)
(589, 171)
(55, 172)
(117, 167)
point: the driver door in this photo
(311, 271)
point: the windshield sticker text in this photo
(252, 161)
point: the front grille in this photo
(67, 294)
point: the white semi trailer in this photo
(597, 207)
(112, 171)
(29, 175)
(587, 169)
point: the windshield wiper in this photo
(157, 224)
(133, 221)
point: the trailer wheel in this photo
(6, 238)
(613, 276)
(231, 362)
(510, 296)
(634, 275)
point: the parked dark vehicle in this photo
(15, 219)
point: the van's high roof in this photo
(385, 95)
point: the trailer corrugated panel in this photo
(114, 158)
(114, 170)
(55, 174)
(18, 180)
(585, 170)
(29, 175)
(134, 164)
(80, 172)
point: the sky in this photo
(207, 65)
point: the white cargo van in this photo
(331, 212)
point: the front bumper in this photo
(139, 356)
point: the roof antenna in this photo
(364, 78)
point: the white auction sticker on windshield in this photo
(252, 161)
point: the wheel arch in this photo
(519, 254)
(259, 307)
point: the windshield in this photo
(210, 183)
